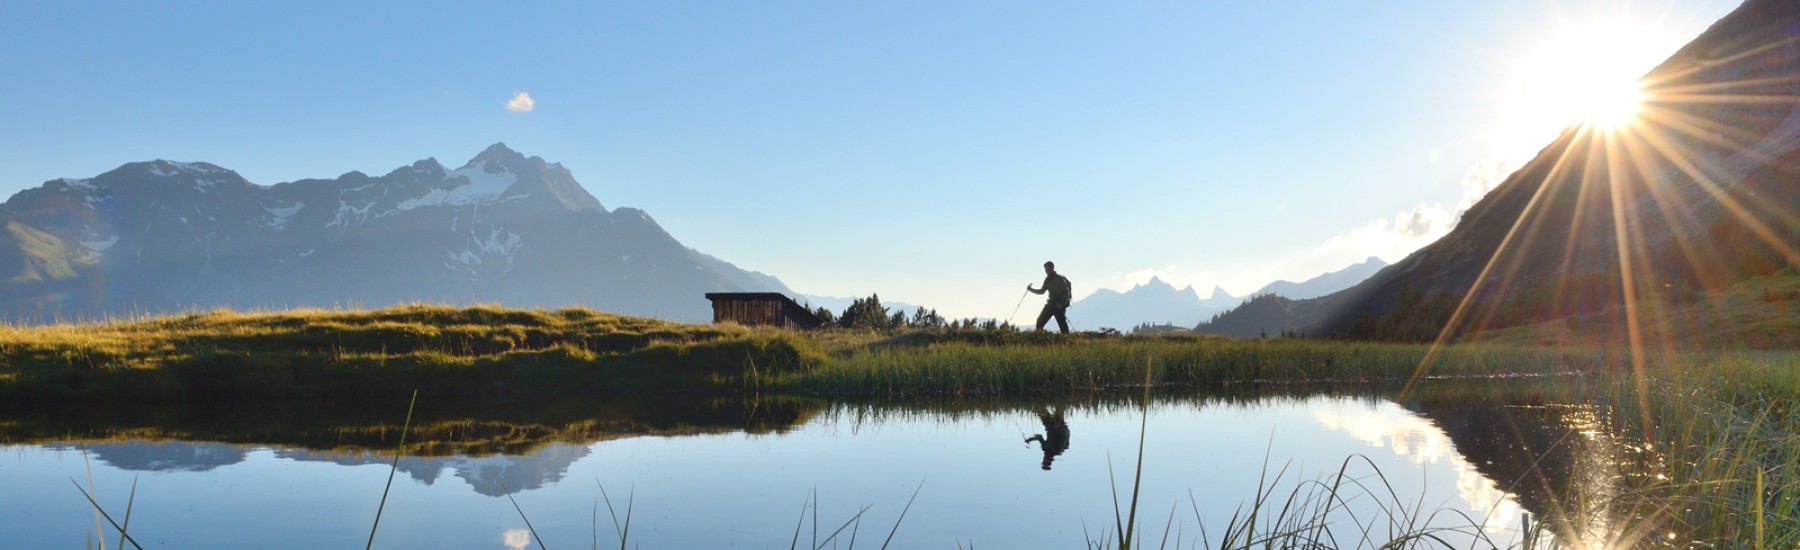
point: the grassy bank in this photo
(383, 355)
(508, 353)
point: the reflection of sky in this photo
(1420, 442)
(981, 483)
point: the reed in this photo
(962, 368)
(392, 469)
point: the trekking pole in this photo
(1015, 313)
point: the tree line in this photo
(868, 313)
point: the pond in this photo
(750, 473)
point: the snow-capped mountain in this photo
(162, 236)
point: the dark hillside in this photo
(1700, 194)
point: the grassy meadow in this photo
(1719, 430)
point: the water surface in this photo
(737, 479)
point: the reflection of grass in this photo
(441, 427)
(1721, 458)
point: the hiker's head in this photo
(1049, 267)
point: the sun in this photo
(1583, 77)
(1580, 70)
(1608, 106)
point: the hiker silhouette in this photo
(1058, 305)
(1055, 438)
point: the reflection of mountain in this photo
(493, 475)
(1419, 441)
(162, 456)
(1552, 457)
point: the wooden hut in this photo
(761, 308)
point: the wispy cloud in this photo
(521, 102)
(1392, 239)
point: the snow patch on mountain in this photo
(347, 213)
(482, 186)
(101, 245)
(171, 168)
(281, 214)
(204, 184)
(499, 245)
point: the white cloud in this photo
(1389, 239)
(521, 102)
(516, 539)
(1480, 179)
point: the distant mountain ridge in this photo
(161, 236)
(1154, 301)
(1326, 283)
(1157, 302)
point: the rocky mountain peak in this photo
(530, 179)
(500, 156)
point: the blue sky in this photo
(934, 152)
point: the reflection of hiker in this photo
(1058, 304)
(1055, 438)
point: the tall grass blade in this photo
(129, 501)
(528, 527)
(392, 468)
(1168, 526)
(1112, 482)
(98, 530)
(1756, 508)
(630, 502)
(854, 531)
(802, 523)
(102, 512)
(834, 534)
(909, 503)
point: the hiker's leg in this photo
(1044, 316)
